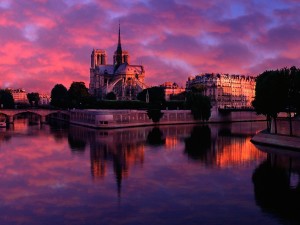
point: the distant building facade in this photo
(171, 89)
(226, 91)
(44, 99)
(19, 95)
(125, 80)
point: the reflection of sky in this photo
(44, 182)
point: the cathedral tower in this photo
(98, 57)
(120, 56)
(121, 78)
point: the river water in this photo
(187, 174)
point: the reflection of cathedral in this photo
(122, 151)
(119, 149)
(121, 78)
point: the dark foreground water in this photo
(150, 175)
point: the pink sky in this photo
(46, 42)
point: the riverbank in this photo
(277, 140)
(108, 119)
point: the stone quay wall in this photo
(132, 118)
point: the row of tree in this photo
(77, 96)
(277, 91)
(7, 100)
(195, 100)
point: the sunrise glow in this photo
(48, 42)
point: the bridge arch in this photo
(26, 112)
(42, 113)
(4, 115)
(62, 115)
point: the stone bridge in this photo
(42, 113)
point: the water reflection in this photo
(198, 144)
(276, 184)
(52, 171)
(222, 145)
(219, 145)
(4, 136)
(76, 145)
(59, 130)
(156, 137)
(122, 148)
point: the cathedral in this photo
(121, 78)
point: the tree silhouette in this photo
(156, 95)
(294, 88)
(271, 94)
(155, 114)
(59, 96)
(200, 105)
(6, 99)
(33, 98)
(78, 95)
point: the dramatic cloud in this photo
(46, 42)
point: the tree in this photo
(155, 114)
(277, 91)
(111, 96)
(294, 88)
(6, 99)
(178, 97)
(59, 96)
(156, 95)
(33, 98)
(78, 95)
(200, 105)
(271, 94)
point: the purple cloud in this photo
(45, 42)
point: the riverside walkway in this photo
(282, 139)
(277, 140)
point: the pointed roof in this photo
(119, 48)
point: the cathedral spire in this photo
(119, 48)
(118, 57)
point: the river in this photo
(187, 174)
